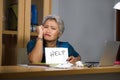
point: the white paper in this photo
(56, 55)
(64, 65)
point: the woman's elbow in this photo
(33, 59)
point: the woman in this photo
(48, 34)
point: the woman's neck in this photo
(50, 43)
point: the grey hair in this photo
(57, 19)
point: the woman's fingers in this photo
(71, 59)
(39, 30)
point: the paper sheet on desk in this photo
(69, 65)
(64, 65)
(33, 65)
(56, 55)
(51, 67)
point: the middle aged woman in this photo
(48, 34)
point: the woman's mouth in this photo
(47, 35)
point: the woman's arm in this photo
(36, 54)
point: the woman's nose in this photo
(48, 29)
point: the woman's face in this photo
(51, 30)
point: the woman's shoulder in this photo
(33, 41)
(63, 44)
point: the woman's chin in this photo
(46, 39)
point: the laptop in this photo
(109, 56)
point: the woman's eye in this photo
(54, 28)
(45, 26)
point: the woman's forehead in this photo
(51, 22)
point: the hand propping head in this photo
(39, 30)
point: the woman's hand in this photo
(39, 30)
(72, 59)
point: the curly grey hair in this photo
(57, 19)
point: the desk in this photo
(77, 73)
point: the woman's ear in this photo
(60, 34)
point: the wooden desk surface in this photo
(26, 72)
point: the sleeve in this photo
(30, 46)
(71, 51)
